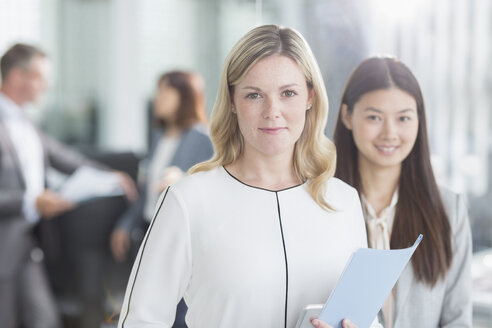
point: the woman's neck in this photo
(272, 173)
(379, 184)
(172, 130)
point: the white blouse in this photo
(241, 256)
(379, 227)
(163, 156)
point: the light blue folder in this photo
(365, 284)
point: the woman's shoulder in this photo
(338, 191)
(198, 129)
(447, 193)
(449, 197)
(454, 204)
(340, 186)
(203, 180)
(197, 138)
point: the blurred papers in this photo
(87, 182)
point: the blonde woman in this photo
(262, 229)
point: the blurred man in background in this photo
(25, 155)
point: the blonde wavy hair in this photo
(314, 153)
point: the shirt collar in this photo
(9, 109)
(370, 210)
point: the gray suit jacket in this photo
(449, 303)
(16, 238)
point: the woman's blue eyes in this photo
(254, 95)
(286, 93)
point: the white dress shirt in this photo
(29, 149)
(241, 256)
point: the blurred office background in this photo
(107, 54)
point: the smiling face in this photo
(271, 103)
(384, 125)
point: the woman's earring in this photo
(309, 106)
(233, 110)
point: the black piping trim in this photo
(286, 264)
(248, 185)
(141, 256)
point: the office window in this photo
(19, 21)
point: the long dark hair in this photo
(192, 100)
(419, 208)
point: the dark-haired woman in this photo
(179, 142)
(383, 152)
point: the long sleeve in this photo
(11, 203)
(12, 184)
(457, 306)
(131, 218)
(63, 158)
(162, 268)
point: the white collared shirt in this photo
(29, 149)
(379, 227)
(164, 153)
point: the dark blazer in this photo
(194, 147)
(16, 233)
